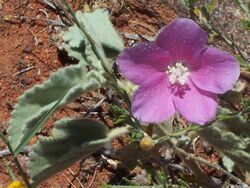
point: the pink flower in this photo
(178, 73)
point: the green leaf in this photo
(232, 138)
(35, 105)
(106, 39)
(71, 140)
(119, 115)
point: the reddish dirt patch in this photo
(20, 51)
(141, 17)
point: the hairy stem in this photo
(202, 178)
(177, 133)
(188, 156)
(209, 164)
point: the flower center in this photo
(178, 73)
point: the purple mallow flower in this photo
(178, 73)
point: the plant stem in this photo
(185, 130)
(20, 169)
(10, 172)
(176, 134)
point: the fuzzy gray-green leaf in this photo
(71, 140)
(98, 24)
(106, 40)
(67, 83)
(74, 44)
(232, 138)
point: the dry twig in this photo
(77, 179)
(23, 71)
(6, 152)
(68, 180)
(93, 179)
(34, 36)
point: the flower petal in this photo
(195, 105)
(152, 102)
(216, 71)
(183, 39)
(141, 61)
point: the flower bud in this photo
(147, 143)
